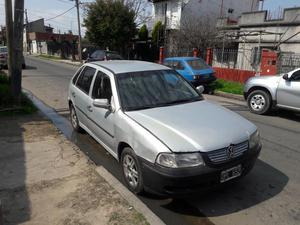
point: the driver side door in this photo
(288, 92)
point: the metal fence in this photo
(243, 59)
(288, 62)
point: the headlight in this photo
(254, 139)
(172, 160)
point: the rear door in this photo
(103, 119)
(81, 95)
(288, 93)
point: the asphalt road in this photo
(270, 194)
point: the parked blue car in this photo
(193, 69)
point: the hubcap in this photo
(257, 102)
(73, 118)
(130, 171)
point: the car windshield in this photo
(198, 64)
(150, 89)
(3, 49)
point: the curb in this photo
(129, 196)
(1, 214)
(132, 199)
(229, 95)
(59, 61)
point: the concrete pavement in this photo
(45, 179)
(268, 195)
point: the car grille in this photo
(222, 155)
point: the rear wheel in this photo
(74, 119)
(259, 102)
(132, 171)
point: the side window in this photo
(85, 79)
(178, 65)
(98, 54)
(296, 76)
(102, 87)
(77, 75)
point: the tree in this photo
(157, 33)
(194, 33)
(143, 33)
(109, 24)
(139, 7)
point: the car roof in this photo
(181, 58)
(126, 66)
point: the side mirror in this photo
(101, 103)
(200, 89)
(286, 77)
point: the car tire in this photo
(259, 102)
(132, 172)
(74, 120)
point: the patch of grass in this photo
(228, 86)
(7, 104)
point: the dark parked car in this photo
(103, 55)
(4, 57)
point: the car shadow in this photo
(262, 183)
(286, 114)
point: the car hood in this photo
(272, 79)
(197, 126)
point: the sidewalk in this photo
(45, 179)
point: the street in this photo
(268, 195)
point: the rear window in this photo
(113, 56)
(85, 79)
(198, 64)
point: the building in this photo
(37, 37)
(254, 31)
(172, 12)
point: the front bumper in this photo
(183, 181)
(203, 80)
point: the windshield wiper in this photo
(183, 101)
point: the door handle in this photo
(73, 94)
(89, 108)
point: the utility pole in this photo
(9, 35)
(26, 30)
(79, 30)
(16, 79)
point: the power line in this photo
(60, 14)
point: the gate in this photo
(288, 62)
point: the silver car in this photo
(266, 92)
(167, 138)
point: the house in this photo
(37, 37)
(192, 17)
(173, 12)
(255, 31)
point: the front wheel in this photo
(132, 171)
(259, 102)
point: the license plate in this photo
(231, 173)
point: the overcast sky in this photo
(50, 8)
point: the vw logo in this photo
(230, 152)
